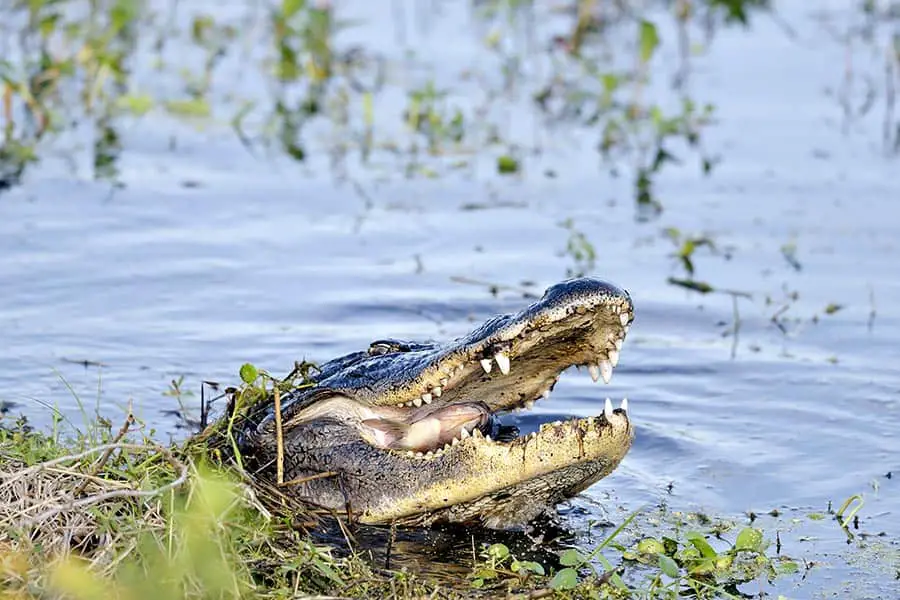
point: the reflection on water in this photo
(259, 261)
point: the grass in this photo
(110, 513)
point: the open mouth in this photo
(465, 390)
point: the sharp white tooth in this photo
(410, 454)
(618, 344)
(545, 393)
(624, 405)
(614, 357)
(624, 318)
(608, 409)
(502, 362)
(627, 328)
(606, 370)
(426, 398)
(529, 404)
(476, 433)
(419, 455)
(594, 370)
(437, 391)
(446, 447)
(429, 454)
(556, 423)
(464, 433)
(487, 438)
(444, 381)
(486, 365)
(417, 402)
(455, 441)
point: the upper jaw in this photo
(521, 360)
(507, 362)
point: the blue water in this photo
(260, 259)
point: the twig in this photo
(129, 421)
(279, 439)
(300, 480)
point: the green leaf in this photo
(700, 544)
(649, 40)
(526, 565)
(136, 104)
(507, 164)
(291, 7)
(194, 107)
(249, 373)
(832, 308)
(498, 551)
(651, 546)
(749, 539)
(788, 567)
(668, 566)
(571, 558)
(565, 579)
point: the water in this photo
(259, 260)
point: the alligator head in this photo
(410, 433)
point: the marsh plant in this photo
(74, 72)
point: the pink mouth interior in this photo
(430, 432)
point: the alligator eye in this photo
(383, 347)
(388, 346)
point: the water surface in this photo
(261, 260)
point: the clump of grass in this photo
(138, 520)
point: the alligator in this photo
(409, 433)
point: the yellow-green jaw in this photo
(498, 484)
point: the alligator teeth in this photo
(417, 402)
(429, 454)
(545, 393)
(419, 455)
(448, 446)
(437, 391)
(476, 433)
(455, 441)
(594, 370)
(606, 370)
(487, 438)
(410, 454)
(608, 409)
(426, 398)
(627, 328)
(529, 404)
(624, 318)
(624, 405)
(502, 362)
(618, 344)
(486, 364)
(464, 433)
(444, 381)
(614, 357)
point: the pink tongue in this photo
(429, 433)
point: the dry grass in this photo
(104, 516)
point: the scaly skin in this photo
(473, 479)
